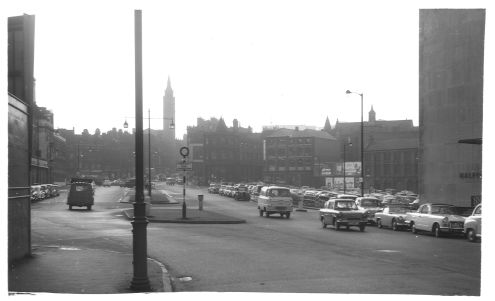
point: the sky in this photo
(261, 62)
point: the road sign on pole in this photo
(184, 166)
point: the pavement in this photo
(74, 270)
(193, 216)
(70, 270)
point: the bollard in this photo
(200, 201)
(300, 206)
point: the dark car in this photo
(131, 183)
(81, 194)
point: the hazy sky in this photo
(262, 62)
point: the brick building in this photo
(219, 153)
(295, 157)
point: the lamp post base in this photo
(140, 284)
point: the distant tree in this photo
(85, 132)
(97, 132)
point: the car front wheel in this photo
(471, 235)
(394, 225)
(323, 224)
(379, 223)
(436, 230)
(413, 228)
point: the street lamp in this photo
(350, 145)
(362, 142)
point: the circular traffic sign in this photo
(184, 151)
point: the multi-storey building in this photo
(295, 157)
(451, 54)
(389, 147)
(219, 153)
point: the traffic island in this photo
(157, 197)
(194, 216)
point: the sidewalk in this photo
(64, 269)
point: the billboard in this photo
(336, 169)
(338, 182)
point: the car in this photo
(436, 218)
(342, 212)
(107, 183)
(472, 225)
(370, 205)
(241, 193)
(170, 181)
(130, 183)
(347, 196)
(81, 193)
(393, 216)
(213, 188)
(275, 199)
(36, 193)
(53, 190)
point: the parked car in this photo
(435, 218)
(342, 212)
(53, 190)
(36, 193)
(241, 194)
(275, 199)
(472, 225)
(255, 192)
(107, 183)
(213, 188)
(393, 216)
(170, 181)
(370, 205)
(130, 183)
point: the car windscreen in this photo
(345, 205)
(80, 187)
(442, 210)
(370, 203)
(398, 209)
(279, 192)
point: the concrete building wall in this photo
(451, 55)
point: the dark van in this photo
(81, 193)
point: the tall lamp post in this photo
(171, 126)
(350, 145)
(362, 142)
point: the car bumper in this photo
(345, 222)
(279, 209)
(451, 230)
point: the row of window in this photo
(283, 140)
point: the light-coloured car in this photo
(435, 218)
(393, 216)
(342, 212)
(275, 199)
(370, 205)
(107, 183)
(472, 225)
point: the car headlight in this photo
(445, 222)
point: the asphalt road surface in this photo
(270, 254)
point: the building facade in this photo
(451, 59)
(219, 153)
(392, 164)
(295, 157)
(20, 133)
(386, 143)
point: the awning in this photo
(471, 141)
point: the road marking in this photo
(388, 251)
(185, 279)
(69, 249)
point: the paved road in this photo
(296, 255)
(269, 254)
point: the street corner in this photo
(98, 271)
(193, 216)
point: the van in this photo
(81, 194)
(275, 199)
